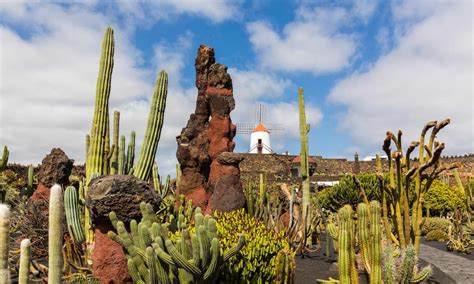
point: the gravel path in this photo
(459, 268)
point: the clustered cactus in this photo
(4, 160)
(153, 257)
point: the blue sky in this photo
(366, 66)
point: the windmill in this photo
(259, 132)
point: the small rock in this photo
(55, 168)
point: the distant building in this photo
(296, 166)
(260, 140)
(373, 158)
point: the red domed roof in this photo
(297, 160)
(260, 128)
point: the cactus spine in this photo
(55, 235)
(23, 275)
(304, 130)
(115, 155)
(4, 243)
(71, 207)
(98, 153)
(4, 160)
(147, 155)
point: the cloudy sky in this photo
(366, 66)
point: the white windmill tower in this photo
(259, 133)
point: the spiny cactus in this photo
(55, 235)
(304, 130)
(4, 243)
(402, 173)
(121, 156)
(115, 155)
(285, 267)
(71, 206)
(24, 271)
(146, 159)
(129, 162)
(4, 160)
(346, 258)
(196, 257)
(99, 150)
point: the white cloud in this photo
(311, 43)
(428, 75)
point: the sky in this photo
(366, 66)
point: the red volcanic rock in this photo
(55, 168)
(109, 263)
(208, 134)
(41, 193)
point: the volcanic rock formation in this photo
(207, 135)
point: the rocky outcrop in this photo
(55, 168)
(209, 133)
(123, 195)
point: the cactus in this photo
(285, 267)
(99, 149)
(115, 155)
(55, 235)
(153, 258)
(304, 130)
(178, 173)
(346, 257)
(4, 160)
(402, 173)
(291, 209)
(128, 168)
(88, 143)
(71, 207)
(121, 156)
(4, 243)
(23, 274)
(30, 177)
(143, 169)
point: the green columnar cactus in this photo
(24, 271)
(389, 265)
(285, 267)
(73, 219)
(304, 130)
(178, 173)
(4, 243)
(375, 244)
(121, 156)
(146, 159)
(115, 155)
(291, 209)
(30, 177)
(97, 158)
(128, 168)
(195, 257)
(55, 235)
(362, 226)
(346, 257)
(88, 143)
(4, 160)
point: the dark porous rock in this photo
(55, 168)
(226, 197)
(121, 194)
(229, 158)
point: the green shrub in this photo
(346, 192)
(435, 223)
(441, 199)
(256, 261)
(10, 186)
(437, 235)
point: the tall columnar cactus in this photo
(128, 167)
(99, 149)
(88, 143)
(55, 235)
(115, 155)
(4, 243)
(121, 156)
(346, 258)
(73, 219)
(304, 130)
(402, 173)
(146, 159)
(24, 271)
(4, 160)
(195, 257)
(285, 267)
